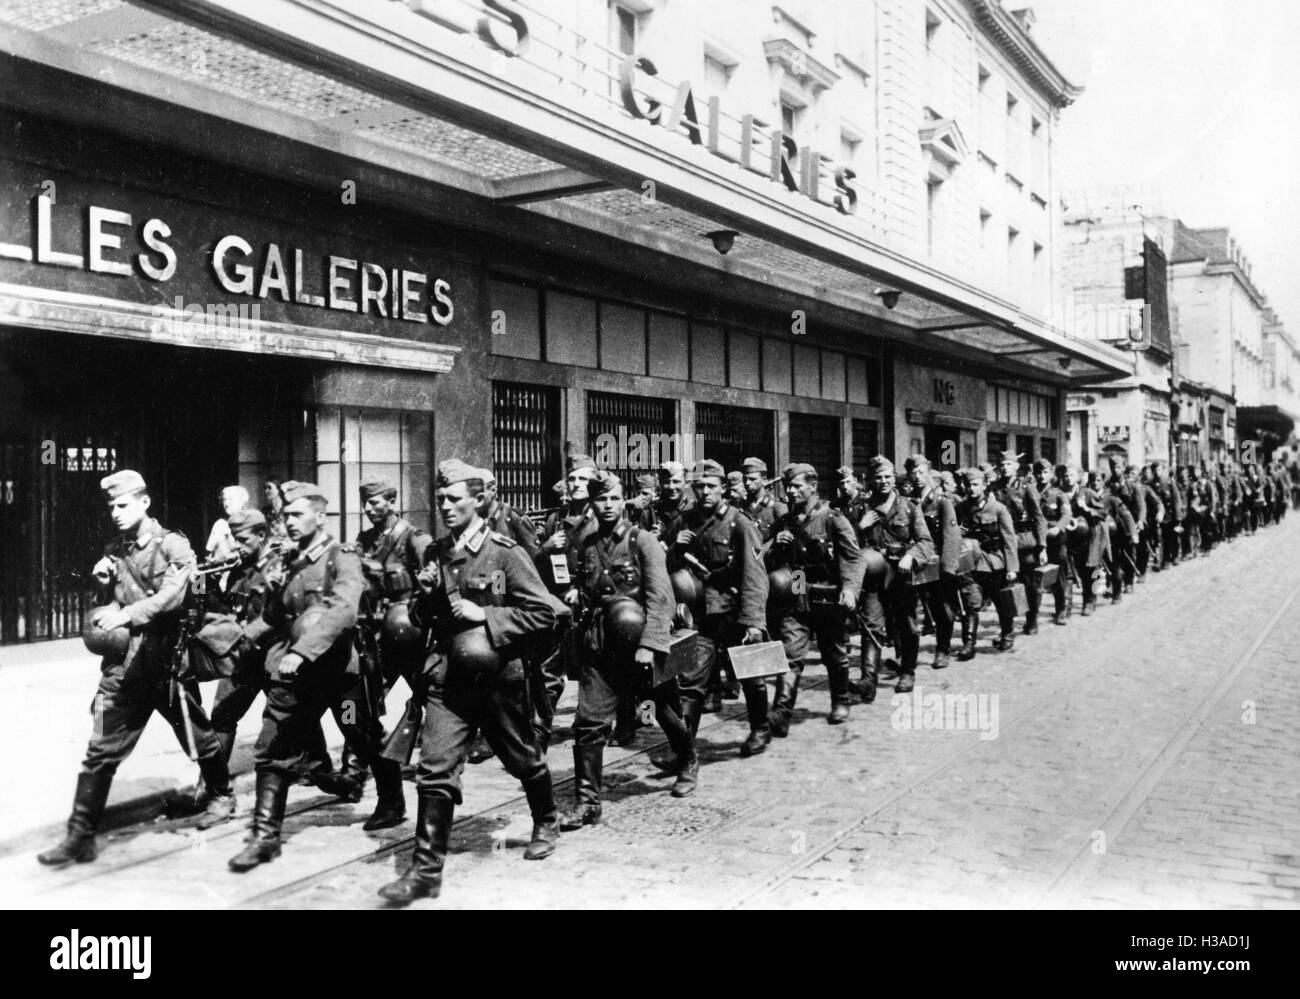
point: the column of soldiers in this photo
(486, 624)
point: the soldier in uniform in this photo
(392, 553)
(146, 571)
(851, 501)
(940, 513)
(760, 505)
(1057, 512)
(621, 562)
(987, 522)
(640, 507)
(1123, 532)
(1020, 496)
(312, 666)
(735, 488)
(818, 541)
(505, 519)
(673, 503)
(719, 546)
(1088, 548)
(1171, 528)
(894, 526)
(485, 603)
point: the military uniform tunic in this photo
(392, 555)
(898, 530)
(495, 573)
(133, 687)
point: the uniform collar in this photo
(473, 537)
(316, 550)
(887, 505)
(152, 530)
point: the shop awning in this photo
(412, 89)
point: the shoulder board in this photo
(503, 541)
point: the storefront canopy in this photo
(546, 134)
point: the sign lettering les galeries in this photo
(778, 157)
(203, 256)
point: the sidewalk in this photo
(46, 690)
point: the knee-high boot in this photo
(588, 762)
(268, 816)
(87, 809)
(432, 833)
(760, 731)
(787, 692)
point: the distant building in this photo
(1115, 279)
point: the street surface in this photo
(1143, 757)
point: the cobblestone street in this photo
(1142, 757)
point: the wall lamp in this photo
(723, 239)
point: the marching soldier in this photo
(505, 519)
(674, 501)
(760, 505)
(735, 488)
(940, 513)
(987, 522)
(1122, 529)
(1090, 541)
(719, 545)
(1019, 495)
(1171, 528)
(1057, 511)
(894, 526)
(818, 541)
(484, 602)
(626, 601)
(851, 500)
(147, 571)
(312, 666)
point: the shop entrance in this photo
(949, 448)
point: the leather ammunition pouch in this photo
(214, 651)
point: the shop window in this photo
(526, 444)
(776, 366)
(807, 372)
(996, 444)
(833, 375)
(817, 440)
(631, 435)
(708, 355)
(866, 445)
(733, 433)
(1047, 449)
(742, 361)
(668, 352)
(354, 444)
(1025, 448)
(622, 339)
(514, 320)
(570, 329)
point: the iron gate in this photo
(816, 441)
(866, 445)
(733, 433)
(526, 443)
(643, 431)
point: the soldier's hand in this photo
(556, 542)
(685, 537)
(644, 656)
(784, 538)
(848, 600)
(905, 563)
(869, 519)
(104, 569)
(113, 619)
(289, 664)
(1011, 576)
(752, 636)
(467, 610)
(572, 597)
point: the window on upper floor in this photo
(792, 117)
(717, 75)
(982, 78)
(849, 147)
(625, 26)
(932, 23)
(933, 212)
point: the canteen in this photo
(471, 651)
(624, 622)
(873, 578)
(109, 644)
(399, 630)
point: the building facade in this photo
(322, 240)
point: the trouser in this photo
(294, 706)
(130, 692)
(941, 598)
(606, 684)
(982, 588)
(547, 681)
(1191, 537)
(716, 633)
(1058, 555)
(1033, 594)
(1123, 562)
(829, 625)
(897, 605)
(1172, 544)
(460, 704)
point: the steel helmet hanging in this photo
(111, 644)
(399, 630)
(471, 650)
(687, 588)
(780, 587)
(873, 577)
(624, 622)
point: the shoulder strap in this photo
(331, 568)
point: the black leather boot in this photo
(349, 782)
(540, 793)
(268, 815)
(970, 625)
(839, 684)
(760, 732)
(910, 652)
(870, 670)
(390, 809)
(87, 809)
(432, 833)
(787, 692)
(588, 762)
(221, 799)
(688, 778)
